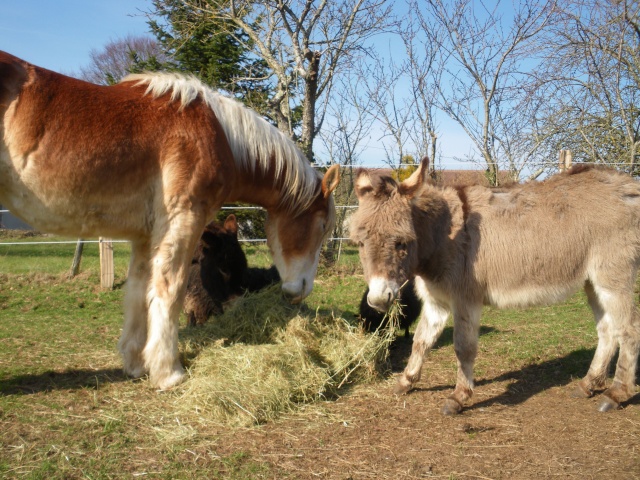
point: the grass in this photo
(66, 411)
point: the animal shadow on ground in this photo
(523, 383)
(68, 380)
(400, 349)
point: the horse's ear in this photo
(330, 180)
(417, 178)
(231, 225)
(363, 184)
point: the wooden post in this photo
(107, 275)
(565, 159)
(77, 257)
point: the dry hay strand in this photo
(264, 357)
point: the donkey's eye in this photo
(401, 248)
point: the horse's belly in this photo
(65, 214)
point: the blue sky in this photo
(59, 34)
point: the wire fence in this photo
(83, 241)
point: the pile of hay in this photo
(264, 357)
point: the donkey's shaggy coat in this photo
(531, 244)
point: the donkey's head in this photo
(384, 231)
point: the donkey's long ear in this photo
(330, 180)
(231, 224)
(363, 184)
(417, 178)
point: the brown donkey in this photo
(531, 244)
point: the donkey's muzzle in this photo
(381, 295)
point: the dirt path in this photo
(513, 430)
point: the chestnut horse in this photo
(151, 160)
(530, 244)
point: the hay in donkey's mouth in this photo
(264, 357)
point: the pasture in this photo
(67, 411)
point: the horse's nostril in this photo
(304, 284)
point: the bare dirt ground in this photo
(517, 427)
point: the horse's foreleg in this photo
(466, 327)
(169, 272)
(134, 331)
(433, 318)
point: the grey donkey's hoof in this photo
(581, 392)
(608, 404)
(451, 407)
(402, 388)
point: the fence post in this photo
(565, 159)
(107, 275)
(77, 256)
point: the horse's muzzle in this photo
(295, 292)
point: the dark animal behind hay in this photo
(411, 306)
(255, 279)
(216, 272)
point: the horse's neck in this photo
(257, 188)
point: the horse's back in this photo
(84, 159)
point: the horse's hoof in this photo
(607, 405)
(451, 407)
(580, 392)
(176, 378)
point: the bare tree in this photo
(483, 48)
(344, 137)
(305, 43)
(591, 81)
(402, 85)
(120, 57)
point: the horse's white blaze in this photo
(296, 273)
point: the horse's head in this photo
(384, 231)
(295, 238)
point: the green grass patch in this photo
(66, 410)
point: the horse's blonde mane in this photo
(253, 141)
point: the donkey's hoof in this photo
(607, 405)
(581, 392)
(401, 388)
(451, 407)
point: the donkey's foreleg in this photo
(134, 331)
(606, 349)
(169, 272)
(433, 318)
(626, 330)
(466, 327)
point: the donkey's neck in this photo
(440, 229)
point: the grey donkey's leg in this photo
(433, 318)
(466, 328)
